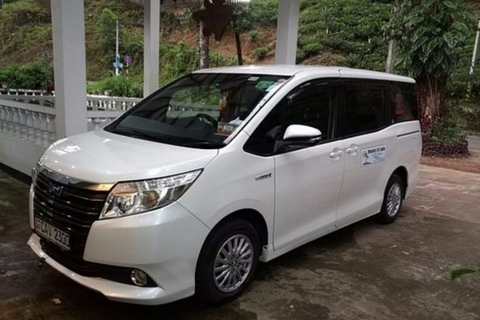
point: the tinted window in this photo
(311, 104)
(364, 109)
(403, 102)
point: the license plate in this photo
(53, 234)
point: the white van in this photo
(223, 168)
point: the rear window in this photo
(403, 102)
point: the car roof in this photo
(291, 70)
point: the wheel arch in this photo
(252, 216)
(402, 172)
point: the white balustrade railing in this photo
(31, 116)
(98, 119)
(31, 99)
(27, 123)
(102, 110)
(30, 122)
(99, 103)
(23, 92)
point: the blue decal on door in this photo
(373, 155)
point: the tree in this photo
(428, 34)
(106, 27)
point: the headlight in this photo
(128, 198)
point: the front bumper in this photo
(165, 243)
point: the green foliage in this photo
(177, 60)
(455, 274)
(466, 115)
(25, 31)
(430, 35)
(34, 75)
(260, 52)
(173, 18)
(106, 29)
(460, 80)
(253, 35)
(352, 28)
(132, 45)
(445, 130)
(258, 13)
(118, 86)
(21, 13)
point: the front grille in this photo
(72, 209)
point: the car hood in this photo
(103, 157)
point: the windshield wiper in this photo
(138, 134)
(145, 135)
(205, 144)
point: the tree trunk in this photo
(430, 99)
(204, 49)
(391, 54)
(239, 48)
(391, 43)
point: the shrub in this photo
(445, 139)
(352, 28)
(178, 59)
(253, 35)
(118, 86)
(440, 149)
(106, 28)
(34, 75)
(260, 53)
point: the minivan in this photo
(188, 190)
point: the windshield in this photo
(199, 110)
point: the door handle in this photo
(352, 150)
(336, 153)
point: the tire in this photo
(212, 291)
(396, 190)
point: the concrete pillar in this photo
(68, 29)
(151, 46)
(287, 31)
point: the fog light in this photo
(139, 277)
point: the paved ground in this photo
(365, 271)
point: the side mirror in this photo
(302, 133)
(298, 136)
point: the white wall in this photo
(19, 154)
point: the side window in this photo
(263, 139)
(403, 102)
(311, 104)
(364, 108)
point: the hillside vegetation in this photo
(342, 32)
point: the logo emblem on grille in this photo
(55, 190)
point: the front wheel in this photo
(392, 201)
(227, 262)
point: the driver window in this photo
(311, 104)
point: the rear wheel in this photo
(227, 262)
(392, 200)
